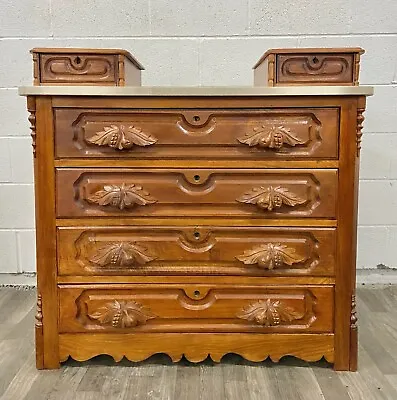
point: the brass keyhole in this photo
(197, 235)
(196, 293)
(196, 118)
(196, 178)
(77, 60)
(315, 60)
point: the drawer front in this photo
(78, 68)
(273, 133)
(196, 193)
(195, 308)
(194, 250)
(314, 68)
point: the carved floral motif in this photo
(124, 196)
(122, 314)
(122, 254)
(270, 256)
(269, 313)
(271, 197)
(121, 137)
(273, 138)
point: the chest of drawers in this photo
(196, 222)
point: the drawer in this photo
(68, 66)
(216, 134)
(283, 67)
(196, 192)
(196, 250)
(195, 308)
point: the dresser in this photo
(196, 222)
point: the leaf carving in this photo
(124, 196)
(271, 138)
(122, 314)
(122, 254)
(269, 313)
(269, 198)
(270, 256)
(121, 137)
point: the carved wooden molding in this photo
(32, 120)
(122, 314)
(39, 312)
(124, 196)
(269, 313)
(270, 256)
(121, 254)
(353, 314)
(271, 197)
(274, 137)
(359, 134)
(121, 137)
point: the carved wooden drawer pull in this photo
(122, 254)
(122, 314)
(270, 256)
(274, 137)
(271, 197)
(124, 196)
(121, 137)
(269, 313)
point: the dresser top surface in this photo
(133, 91)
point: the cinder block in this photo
(378, 203)
(230, 61)
(391, 154)
(376, 156)
(5, 161)
(14, 114)
(25, 18)
(372, 246)
(380, 58)
(391, 251)
(381, 114)
(373, 16)
(17, 206)
(26, 242)
(8, 251)
(300, 17)
(101, 18)
(21, 160)
(199, 18)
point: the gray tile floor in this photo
(234, 378)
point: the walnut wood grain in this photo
(202, 133)
(195, 192)
(192, 308)
(197, 250)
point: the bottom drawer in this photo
(195, 308)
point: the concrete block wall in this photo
(201, 42)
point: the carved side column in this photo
(39, 333)
(32, 119)
(270, 70)
(353, 335)
(359, 134)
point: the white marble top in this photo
(195, 91)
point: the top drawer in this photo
(282, 133)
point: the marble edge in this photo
(195, 91)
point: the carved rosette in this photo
(269, 313)
(274, 137)
(270, 256)
(39, 312)
(121, 197)
(122, 314)
(119, 254)
(359, 134)
(32, 120)
(271, 197)
(120, 137)
(353, 314)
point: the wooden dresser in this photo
(196, 222)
